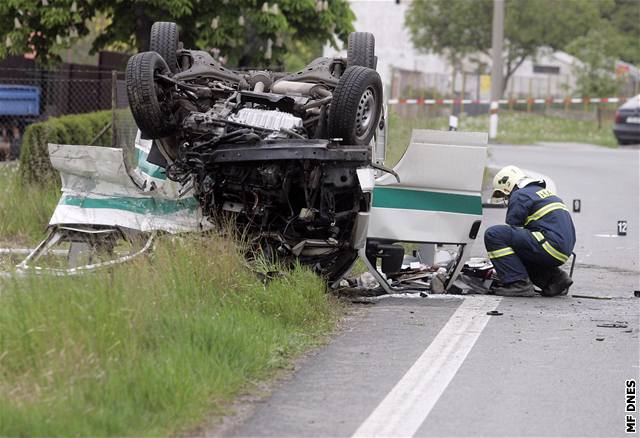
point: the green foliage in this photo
(151, 347)
(247, 32)
(74, 129)
(443, 26)
(625, 21)
(26, 26)
(514, 127)
(596, 74)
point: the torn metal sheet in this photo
(103, 201)
(431, 203)
(98, 191)
(83, 240)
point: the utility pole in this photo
(497, 38)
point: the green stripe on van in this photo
(150, 169)
(407, 199)
(134, 205)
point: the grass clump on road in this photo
(25, 209)
(150, 347)
(514, 127)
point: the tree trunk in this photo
(143, 28)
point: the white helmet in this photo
(506, 180)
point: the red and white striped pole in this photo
(493, 120)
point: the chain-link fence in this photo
(124, 127)
(33, 95)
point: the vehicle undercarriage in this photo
(278, 152)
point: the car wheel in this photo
(356, 106)
(164, 41)
(361, 48)
(150, 104)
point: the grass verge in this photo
(25, 209)
(151, 347)
(513, 128)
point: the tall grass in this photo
(25, 209)
(152, 346)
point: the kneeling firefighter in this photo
(538, 238)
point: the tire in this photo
(356, 106)
(361, 48)
(149, 103)
(164, 41)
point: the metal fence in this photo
(33, 95)
(409, 84)
(419, 94)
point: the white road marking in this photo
(607, 235)
(405, 408)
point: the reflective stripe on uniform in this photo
(554, 252)
(548, 248)
(501, 252)
(546, 209)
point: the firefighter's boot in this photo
(520, 288)
(558, 284)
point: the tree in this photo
(248, 32)
(459, 28)
(624, 18)
(595, 74)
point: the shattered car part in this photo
(262, 147)
(429, 204)
(215, 143)
(94, 240)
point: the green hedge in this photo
(74, 129)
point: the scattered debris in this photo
(591, 297)
(367, 281)
(369, 302)
(614, 325)
(438, 281)
(494, 313)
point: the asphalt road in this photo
(442, 367)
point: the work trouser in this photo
(517, 253)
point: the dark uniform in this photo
(539, 235)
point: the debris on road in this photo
(591, 297)
(617, 324)
(599, 339)
(636, 293)
(494, 313)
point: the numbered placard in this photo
(622, 228)
(576, 205)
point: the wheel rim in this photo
(366, 113)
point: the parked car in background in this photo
(627, 122)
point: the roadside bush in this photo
(74, 129)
